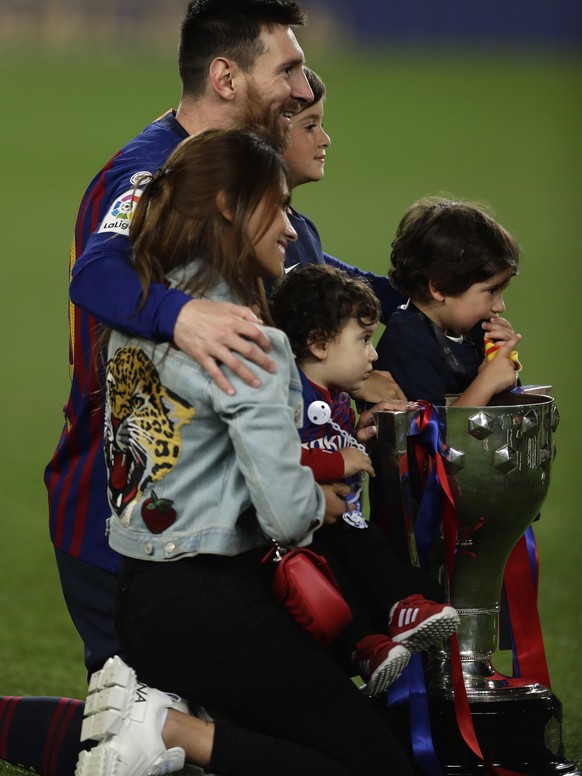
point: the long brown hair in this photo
(182, 213)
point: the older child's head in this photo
(317, 86)
(308, 141)
(221, 197)
(448, 246)
(330, 319)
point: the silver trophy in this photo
(498, 462)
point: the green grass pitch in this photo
(501, 129)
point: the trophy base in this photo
(522, 735)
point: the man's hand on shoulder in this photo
(215, 332)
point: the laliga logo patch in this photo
(123, 207)
(119, 216)
(319, 413)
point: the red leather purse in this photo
(305, 585)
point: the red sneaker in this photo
(419, 623)
(380, 662)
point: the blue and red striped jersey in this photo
(320, 442)
(104, 288)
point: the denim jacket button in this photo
(169, 548)
(149, 548)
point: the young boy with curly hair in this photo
(330, 319)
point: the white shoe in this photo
(124, 716)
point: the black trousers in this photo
(371, 578)
(207, 628)
(365, 563)
(89, 592)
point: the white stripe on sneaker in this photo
(406, 616)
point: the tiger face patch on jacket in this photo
(143, 419)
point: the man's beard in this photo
(265, 120)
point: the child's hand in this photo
(335, 500)
(498, 329)
(499, 374)
(494, 376)
(356, 461)
(365, 428)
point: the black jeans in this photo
(207, 628)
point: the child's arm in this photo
(356, 461)
(326, 465)
(494, 376)
(329, 466)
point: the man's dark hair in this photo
(229, 28)
(314, 303)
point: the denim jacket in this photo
(193, 470)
